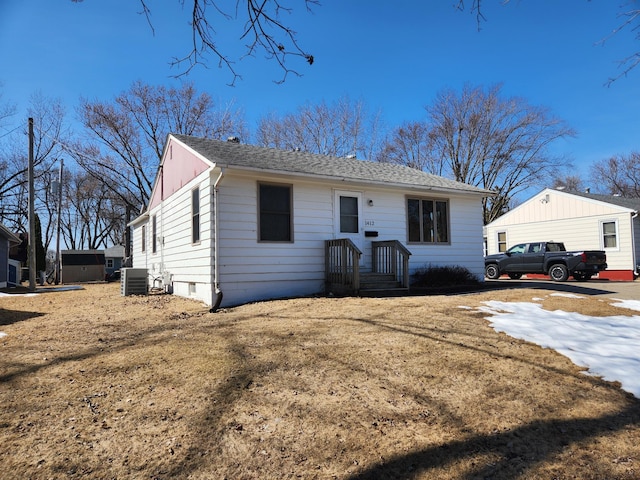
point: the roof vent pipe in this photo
(233, 140)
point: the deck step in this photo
(374, 285)
(384, 292)
(380, 284)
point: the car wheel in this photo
(558, 273)
(492, 271)
(515, 276)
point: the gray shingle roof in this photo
(632, 203)
(231, 154)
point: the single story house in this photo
(80, 266)
(114, 259)
(583, 221)
(9, 274)
(230, 223)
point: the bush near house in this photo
(443, 276)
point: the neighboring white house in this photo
(583, 221)
(113, 259)
(243, 223)
(9, 270)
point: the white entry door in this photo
(348, 218)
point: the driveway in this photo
(604, 288)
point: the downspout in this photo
(216, 293)
(636, 267)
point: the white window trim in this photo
(610, 249)
(506, 240)
(196, 242)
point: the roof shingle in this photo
(232, 154)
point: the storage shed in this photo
(83, 266)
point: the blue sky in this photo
(393, 55)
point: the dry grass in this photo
(95, 385)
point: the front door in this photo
(348, 218)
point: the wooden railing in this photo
(391, 257)
(342, 264)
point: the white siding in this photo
(465, 248)
(573, 220)
(250, 270)
(636, 242)
(187, 263)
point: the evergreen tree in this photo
(41, 259)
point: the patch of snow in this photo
(608, 346)
(630, 304)
(568, 295)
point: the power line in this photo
(9, 132)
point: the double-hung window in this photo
(609, 235)
(428, 220)
(502, 242)
(154, 234)
(195, 215)
(275, 212)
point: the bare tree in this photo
(344, 128)
(127, 136)
(618, 175)
(48, 115)
(91, 218)
(410, 145)
(499, 144)
(260, 26)
(568, 183)
(7, 111)
(628, 16)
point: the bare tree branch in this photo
(263, 29)
(630, 20)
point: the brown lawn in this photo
(95, 385)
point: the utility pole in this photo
(32, 215)
(127, 234)
(58, 262)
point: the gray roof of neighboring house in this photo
(626, 202)
(8, 234)
(117, 251)
(237, 155)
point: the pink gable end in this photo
(180, 167)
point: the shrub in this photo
(443, 276)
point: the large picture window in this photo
(428, 220)
(195, 215)
(275, 212)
